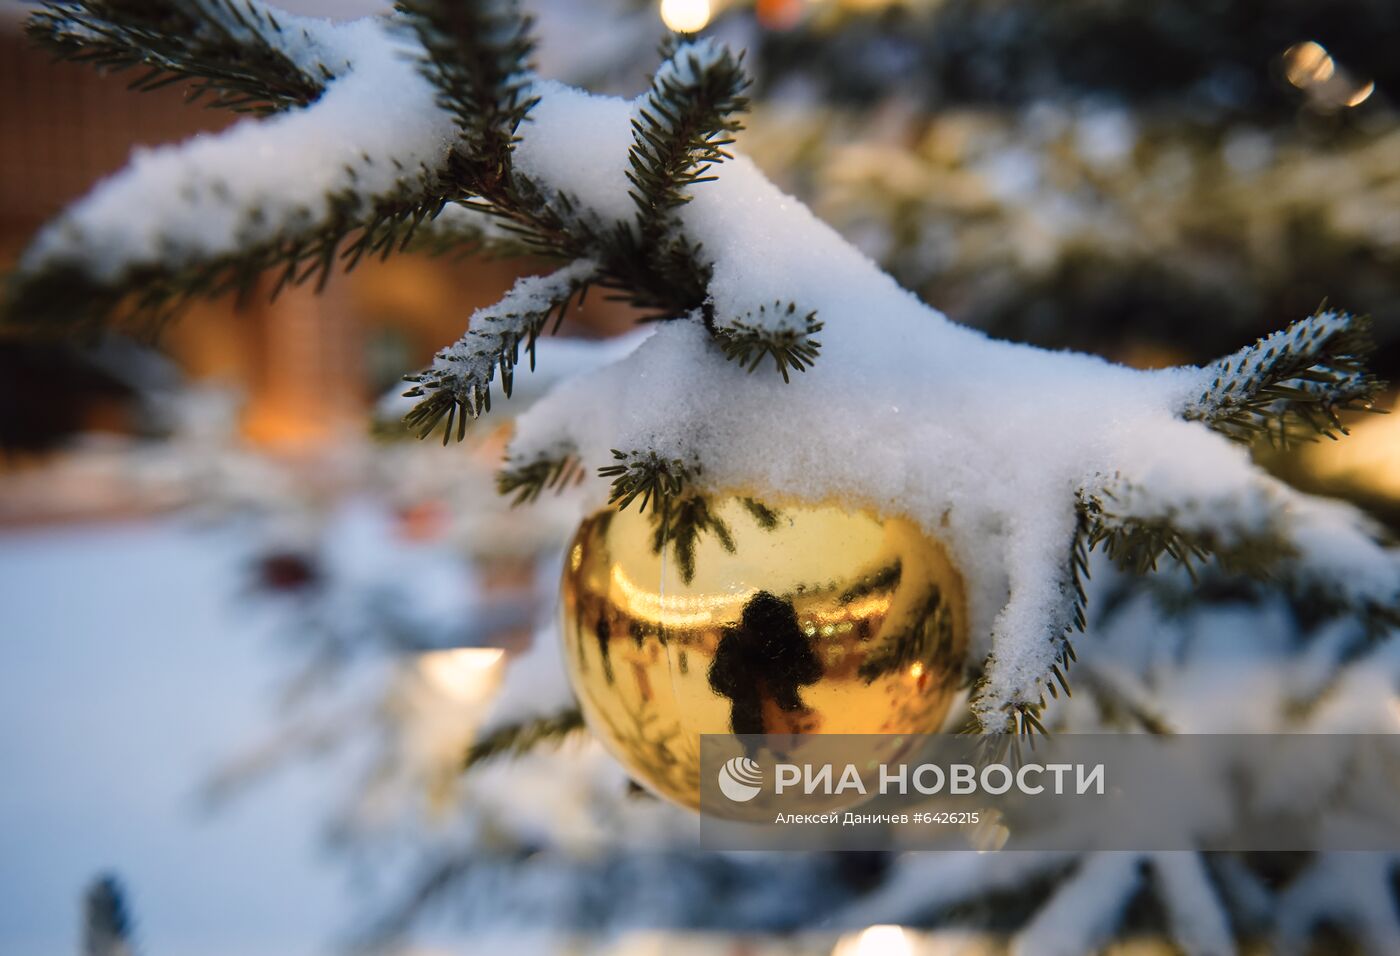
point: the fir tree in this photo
(734, 274)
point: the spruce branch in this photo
(518, 738)
(679, 131)
(681, 128)
(1137, 542)
(527, 480)
(477, 55)
(1025, 714)
(783, 334)
(680, 515)
(466, 229)
(1292, 384)
(647, 476)
(1137, 532)
(238, 52)
(63, 293)
(458, 385)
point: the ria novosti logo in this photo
(740, 779)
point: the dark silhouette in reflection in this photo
(604, 634)
(764, 658)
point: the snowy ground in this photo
(128, 671)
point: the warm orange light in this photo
(1368, 459)
(1308, 64)
(280, 422)
(1361, 94)
(779, 14)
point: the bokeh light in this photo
(1308, 64)
(685, 16)
(876, 941)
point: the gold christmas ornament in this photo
(796, 620)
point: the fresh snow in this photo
(985, 443)
(507, 323)
(374, 130)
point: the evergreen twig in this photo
(1026, 715)
(1293, 384)
(681, 128)
(680, 515)
(682, 525)
(463, 229)
(518, 738)
(477, 55)
(65, 294)
(458, 385)
(1137, 543)
(225, 46)
(785, 336)
(528, 480)
(658, 482)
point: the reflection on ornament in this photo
(825, 621)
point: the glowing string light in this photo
(685, 16)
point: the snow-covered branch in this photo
(248, 56)
(681, 127)
(458, 385)
(999, 450)
(1291, 384)
(350, 174)
(781, 333)
(477, 56)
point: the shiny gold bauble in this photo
(798, 619)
